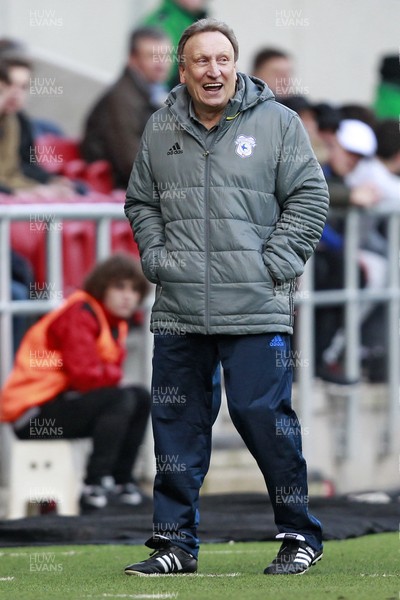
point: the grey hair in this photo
(202, 26)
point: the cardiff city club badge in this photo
(245, 145)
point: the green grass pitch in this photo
(356, 569)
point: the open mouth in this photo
(212, 87)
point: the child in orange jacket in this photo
(66, 380)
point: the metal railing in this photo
(103, 214)
(350, 297)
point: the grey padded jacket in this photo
(225, 222)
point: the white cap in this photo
(356, 136)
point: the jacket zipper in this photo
(207, 240)
(291, 301)
(207, 154)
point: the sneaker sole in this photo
(93, 505)
(140, 574)
(131, 501)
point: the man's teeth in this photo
(213, 85)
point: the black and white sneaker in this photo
(295, 556)
(129, 493)
(96, 494)
(165, 559)
(93, 497)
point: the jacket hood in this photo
(249, 92)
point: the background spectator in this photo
(352, 141)
(387, 101)
(5, 94)
(69, 369)
(20, 72)
(11, 175)
(19, 173)
(275, 67)
(383, 170)
(308, 116)
(172, 17)
(116, 123)
(360, 113)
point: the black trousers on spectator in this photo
(329, 275)
(115, 418)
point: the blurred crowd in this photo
(357, 146)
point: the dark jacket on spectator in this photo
(29, 166)
(116, 123)
(339, 193)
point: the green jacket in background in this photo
(226, 221)
(173, 20)
(387, 102)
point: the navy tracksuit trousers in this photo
(258, 380)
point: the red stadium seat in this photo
(61, 156)
(98, 176)
(29, 240)
(75, 169)
(79, 243)
(79, 256)
(53, 152)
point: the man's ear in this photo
(132, 61)
(182, 77)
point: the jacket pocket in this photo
(270, 280)
(171, 265)
(151, 262)
(286, 292)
